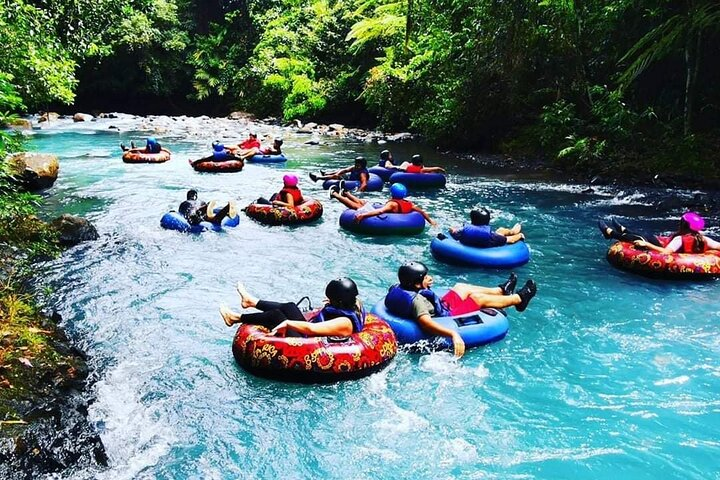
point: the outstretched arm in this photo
(431, 326)
(340, 327)
(711, 243)
(433, 170)
(387, 208)
(425, 215)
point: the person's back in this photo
(192, 208)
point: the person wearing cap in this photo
(289, 196)
(342, 315)
(365, 209)
(196, 211)
(687, 239)
(357, 172)
(417, 166)
(479, 234)
(414, 299)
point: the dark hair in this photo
(684, 229)
(191, 195)
(385, 155)
(417, 159)
(361, 161)
(480, 217)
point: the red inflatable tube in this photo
(306, 212)
(135, 156)
(315, 359)
(694, 266)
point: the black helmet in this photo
(385, 155)
(191, 195)
(480, 217)
(417, 159)
(361, 161)
(342, 291)
(411, 274)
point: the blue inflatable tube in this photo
(268, 159)
(374, 184)
(404, 224)
(382, 172)
(419, 180)
(174, 221)
(449, 250)
(484, 326)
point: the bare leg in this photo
(465, 290)
(495, 301)
(349, 201)
(246, 299)
(506, 232)
(515, 238)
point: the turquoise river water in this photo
(605, 375)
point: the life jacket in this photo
(220, 156)
(329, 312)
(475, 235)
(293, 191)
(405, 206)
(689, 245)
(399, 301)
(356, 172)
(153, 148)
(414, 169)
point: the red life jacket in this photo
(294, 192)
(414, 169)
(405, 206)
(688, 244)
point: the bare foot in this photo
(246, 300)
(210, 212)
(230, 317)
(516, 229)
(232, 211)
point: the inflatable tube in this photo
(315, 359)
(306, 212)
(134, 156)
(374, 184)
(452, 251)
(690, 266)
(210, 166)
(419, 180)
(382, 172)
(174, 221)
(268, 159)
(484, 326)
(404, 224)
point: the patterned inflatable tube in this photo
(315, 359)
(306, 212)
(141, 157)
(225, 166)
(691, 266)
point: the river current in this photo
(605, 375)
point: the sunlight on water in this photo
(606, 375)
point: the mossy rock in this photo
(36, 171)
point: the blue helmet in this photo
(398, 191)
(218, 147)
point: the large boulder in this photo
(19, 124)
(82, 117)
(48, 117)
(400, 137)
(241, 116)
(36, 171)
(74, 230)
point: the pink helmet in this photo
(694, 221)
(290, 180)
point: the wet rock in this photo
(82, 117)
(48, 117)
(310, 125)
(400, 137)
(74, 230)
(304, 131)
(336, 127)
(312, 142)
(35, 171)
(241, 116)
(19, 124)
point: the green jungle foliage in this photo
(592, 85)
